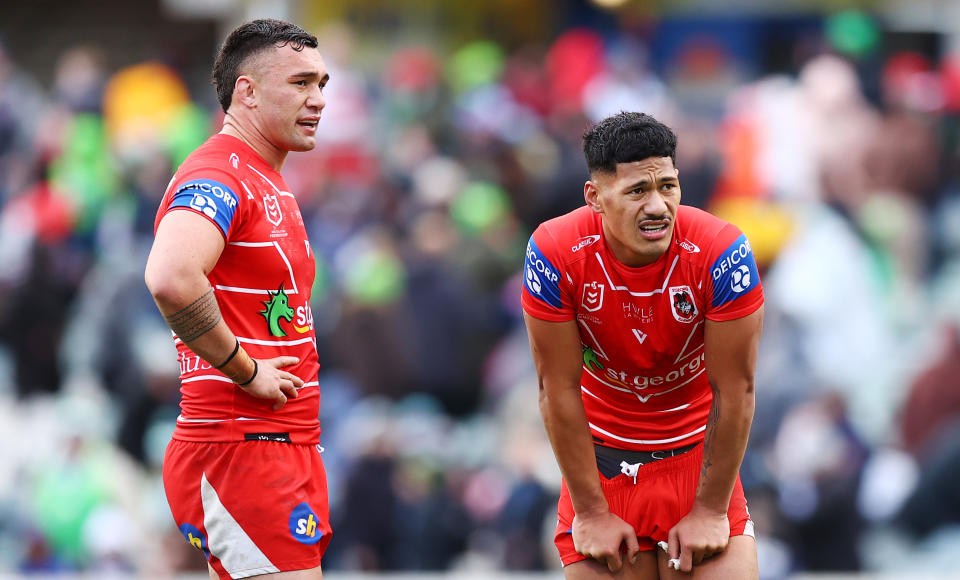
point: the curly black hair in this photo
(627, 137)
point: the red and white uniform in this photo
(644, 383)
(262, 283)
(246, 484)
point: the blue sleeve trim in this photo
(734, 273)
(541, 278)
(211, 198)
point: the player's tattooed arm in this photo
(709, 438)
(197, 319)
(731, 358)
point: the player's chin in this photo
(303, 144)
(652, 249)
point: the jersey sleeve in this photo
(734, 280)
(546, 294)
(212, 194)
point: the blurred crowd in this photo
(432, 169)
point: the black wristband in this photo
(256, 367)
(236, 349)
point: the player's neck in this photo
(249, 134)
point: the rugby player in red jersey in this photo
(231, 270)
(644, 318)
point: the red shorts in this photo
(251, 507)
(663, 494)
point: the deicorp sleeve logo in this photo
(540, 277)
(211, 198)
(734, 273)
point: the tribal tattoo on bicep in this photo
(196, 319)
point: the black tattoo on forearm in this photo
(197, 319)
(708, 438)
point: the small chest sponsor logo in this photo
(688, 246)
(592, 297)
(271, 205)
(682, 304)
(235, 160)
(584, 242)
(641, 313)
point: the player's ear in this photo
(592, 196)
(244, 91)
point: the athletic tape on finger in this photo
(672, 562)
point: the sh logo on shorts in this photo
(303, 525)
(196, 539)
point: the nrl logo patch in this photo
(271, 204)
(592, 297)
(682, 305)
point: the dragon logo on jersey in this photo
(590, 359)
(592, 296)
(277, 307)
(682, 304)
(271, 204)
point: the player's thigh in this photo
(310, 574)
(645, 568)
(739, 561)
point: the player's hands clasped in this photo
(603, 537)
(273, 383)
(702, 533)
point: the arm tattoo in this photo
(708, 437)
(197, 319)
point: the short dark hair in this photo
(627, 137)
(248, 40)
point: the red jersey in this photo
(644, 383)
(262, 283)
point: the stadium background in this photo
(827, 130)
